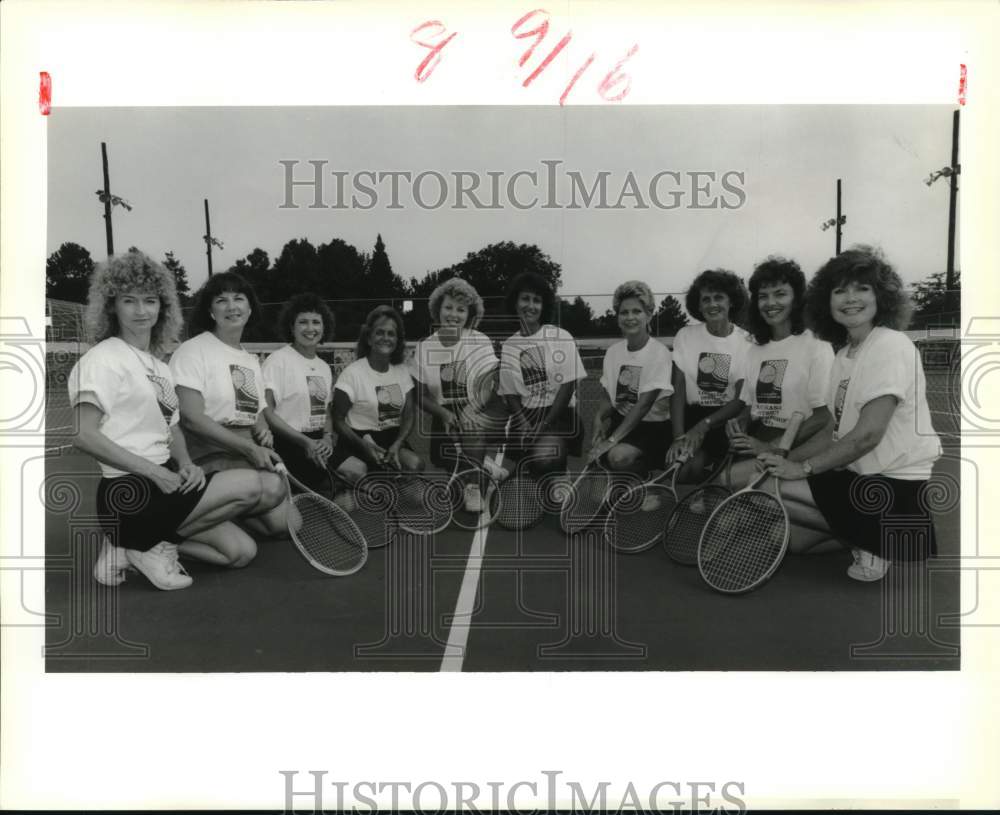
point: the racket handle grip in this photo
(788, 437)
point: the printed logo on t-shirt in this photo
(390, 405)
(245, 389)
(627, 389)
(713, 377)
(533, 367)
(454, 377)
(317, 401)
(166, 398)
(838, 403)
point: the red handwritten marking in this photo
(961, 85)
(541, 31)
(430, 62)
(576, 76)
(545, 62)
(44, 93)
(608, 84)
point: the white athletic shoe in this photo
(473, 498)
(109, 570)
(867, 567)
(161, 566)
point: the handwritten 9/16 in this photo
(433, 35)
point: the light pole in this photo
(838, 222)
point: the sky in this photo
(165, 161)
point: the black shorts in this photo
(653, 438)
(345, 449)
(716, 443)
(488, 428)
(132, 509)
(568, 428)
(886, 516)
(299, 464)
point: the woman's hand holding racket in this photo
(167, 481)
(781, 467)
(317, 450)
(263, 458)
(263, 436)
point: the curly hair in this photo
(133, 271)
(637, 289)
(859, 264)
(460, 291)
(364, 346)
(536, 284)
(200, 318)
(719, 280)
(303, 304)
(772, 271)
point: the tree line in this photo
(356, 281)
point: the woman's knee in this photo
(272, 490)
(411, 462)
(245, 552)
(623, 457)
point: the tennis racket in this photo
(588, 497)
(746, 536)
(637, 518)
(325, 535)
(469, 473)
(368, 502)
(682, 531)
(521, 505)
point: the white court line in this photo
(458, 635)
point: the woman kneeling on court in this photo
(879, 443)
(155, 500)
(373, 404)
(708, 372)
(787, 367)
(632, 424)
(455, 372)
(298, 389)
(220, 388)
(539, 370)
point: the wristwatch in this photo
(807, 468)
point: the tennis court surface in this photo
(492, 600)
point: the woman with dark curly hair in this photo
(156, 502)
(539, 370)
(448, 367)
(373, 404)
(298, 389)
(708, 371)
(878, 440)
(787, 367)
(220, 388)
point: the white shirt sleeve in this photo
(348, 382)
(657, 375)
(94, 381)
(187, 365)
(820, 372)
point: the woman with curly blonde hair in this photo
(878, 441)
(155, 502)
(449, 367)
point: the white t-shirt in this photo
(535, 367)
(229, 379)
(711, 365)
(449, 371)
(302, 388)
(134, 391)
(785, 376)
(376, 398)
(887, 363)
(627, 373)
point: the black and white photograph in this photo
(532, 359)
(403, 404)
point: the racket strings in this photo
(423, 506)
(326, 537)
(638, 518)
(684, 528)
(742, 542)
(520, 502)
